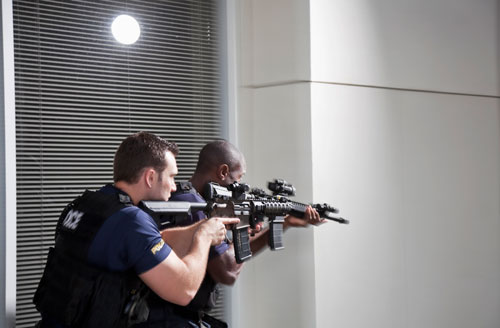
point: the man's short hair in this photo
(217, 153)
(139, 151)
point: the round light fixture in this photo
(125, 29)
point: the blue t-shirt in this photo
(198, 216)
(128, 239)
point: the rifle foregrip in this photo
(241, 242)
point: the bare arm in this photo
(177, 278)
(180, 239)
(223, 268)
(260, 240)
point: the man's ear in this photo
(222, 171)
(149, 177)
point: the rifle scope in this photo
(281, 187)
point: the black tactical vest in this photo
(77, 294)
(207, 295)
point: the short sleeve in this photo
(144, 245)
(129, 239)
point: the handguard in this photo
(235, 201)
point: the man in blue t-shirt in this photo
(104, 242)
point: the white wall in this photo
(280, 42)
(405, 101)
(418, 174)
(442, 45)
(395, 117)
(272, 277)
(276, 289)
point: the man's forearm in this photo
(223, 268)
(177, 279)
(196, 255)
(180, 239)
(259, 241)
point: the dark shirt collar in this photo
(112, 189)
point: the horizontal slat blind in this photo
(79, 93)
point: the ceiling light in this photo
(125, 29)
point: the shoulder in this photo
(144, 244)
(131, 239)
(127, 224)
(134, 220)
(127, 228)
(187, 193)
(123, 239)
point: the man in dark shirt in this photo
(221, 162)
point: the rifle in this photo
(235, 200)
(225, 202)
(282, 189)
(250, 207)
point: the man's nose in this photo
(174, 187)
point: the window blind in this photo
(79, 93)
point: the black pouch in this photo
(107, 302)
(92, 298)
(118, 300)
(62, 296)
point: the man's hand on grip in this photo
(215, 228)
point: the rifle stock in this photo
(170, 214)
